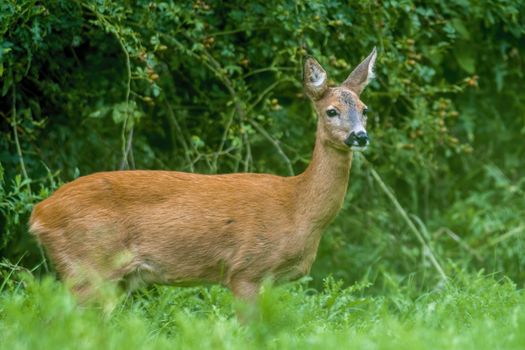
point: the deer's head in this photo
(342, 115)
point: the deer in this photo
(140, 227)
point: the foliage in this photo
(472, 312)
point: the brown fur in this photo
(171, 227)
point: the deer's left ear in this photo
(315, 80)
(362, 74)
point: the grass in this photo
(469, 312)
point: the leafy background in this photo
(215, 87)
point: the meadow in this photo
(471, 312)
(428, 250)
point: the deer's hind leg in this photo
(91, 271)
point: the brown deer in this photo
(169, 227)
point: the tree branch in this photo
(409, 222)
(127, 142)
(14, 124)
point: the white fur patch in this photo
(371, 75)
(317, 76)
(359, 148)
(36, 227)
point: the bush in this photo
(216, 87)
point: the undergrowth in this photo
(469, 312)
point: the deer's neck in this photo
(322, 187)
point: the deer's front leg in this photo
(245, 291)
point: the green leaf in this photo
(129, 111)
(466, 60)
(460, 28)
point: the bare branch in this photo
(14, 124)
(126, 141)
(176, 124)
(275, 143)
(409, 222)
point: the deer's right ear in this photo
(315, 79)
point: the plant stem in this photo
(409, 222)
(275, 143)
(126, 141)
(14, 124)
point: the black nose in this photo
(361, 138)
(357, 139)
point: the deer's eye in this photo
(365, 111)
(332, 112)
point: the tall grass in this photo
(469, 312)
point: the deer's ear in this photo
(362, 74)
(315, 79)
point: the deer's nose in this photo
(361, 138)
(357, 139)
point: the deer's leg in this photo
(91, 284)
(245, 291)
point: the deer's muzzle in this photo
(357, 140)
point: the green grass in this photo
(470, 312)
